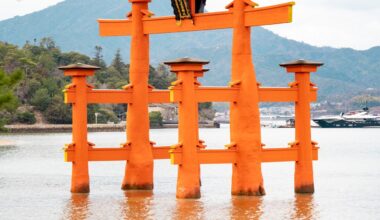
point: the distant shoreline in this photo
(61, 128)
(58, 128)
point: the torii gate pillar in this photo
(303, 175)
(245, 116)
(80, 180)
(139, 169)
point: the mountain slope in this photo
(72, 24)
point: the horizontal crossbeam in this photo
(115, 154)
(230, 156)
(275, 14)
(205, 156)
(223, 94)
(285, 94)
(203, 94)
(97, 96)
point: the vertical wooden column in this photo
(80, 176)
(139, 169)
(303, 178)
(245, 116)
(188, 184)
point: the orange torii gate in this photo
(245, 151)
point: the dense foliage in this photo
(40, 89)
(346, 71)
(8, 101)
(155, 119)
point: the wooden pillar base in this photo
(303, 178)
(188, 193)
(305, 189)
(138, 178)
(80, 184)
(127, 186)
(260, 191)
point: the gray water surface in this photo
(35, 182)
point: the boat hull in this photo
(345, 123)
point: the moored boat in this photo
(356, 119)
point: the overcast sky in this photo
(336, 23)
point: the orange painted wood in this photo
(115, 154)
(116, 96)
(203, 94)
(202, 22)
(161, 153)
(113, 27)
(275, 14)
(205, 21)
(102, 96)
(206, 156)
(229, 156)
(217, 156)
(268, 94)
(159, 96)
(226, 94)
(216, 94)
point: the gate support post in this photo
(303, 178)
(188, 183)
(139, 168)
(247, 179)
(80, 177)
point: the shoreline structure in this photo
(53, 128)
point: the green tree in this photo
(7, 84)
(8, 101)
(117, 62)
(160, 77)
(120, 66)
(206, 111)
(47, 43)
(155, 119)
(58, 112)
(41, 99)
(98, 60)
(26, 117)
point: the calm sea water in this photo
(35, 182)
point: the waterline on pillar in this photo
(305, 189)
(185, 193)
(258, 192)
(128, 186)
(83, 188)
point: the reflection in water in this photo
(246, 207)
(189, 209)
(304, 207)
(137, 205)
(77, 207)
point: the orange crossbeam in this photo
(226, 94)
(115, 154)
(216, 94)
(203, 94)
(116, 96)
(159, 96)
(268, 94)
(205, 156)
(275, 14)
(99, 96)
(229, 156)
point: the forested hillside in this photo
(38, 94)
(72, 24)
